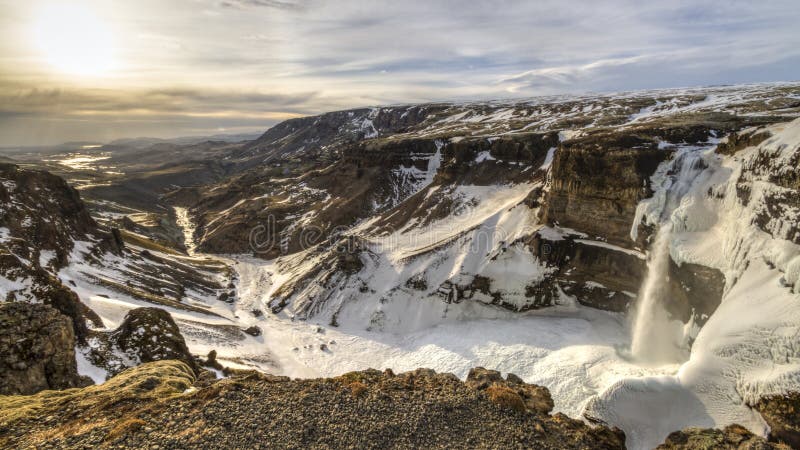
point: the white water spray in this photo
(657, 339)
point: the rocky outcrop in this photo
(37, 350)
(41, 217)
(512, 391)
(43, 210)
(150, 334)
(145, 335)
(733, 437)
(782, 414)
(740, 140)
(156, 404)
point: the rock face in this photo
(782, 414)
(150, 334)
(733, 437)
(40, 219)
(598, 181)
(37, 345)
(312, 137)
(150, 405)
(41, 209)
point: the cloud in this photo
(15, 98)
(279, 4)
(197, 60)
(572, 75)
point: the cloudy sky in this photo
(104, 69)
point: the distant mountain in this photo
(143, 142)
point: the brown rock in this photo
(782, 414)
(37, 350)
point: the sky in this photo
(98, 70)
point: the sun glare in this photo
(74, 40)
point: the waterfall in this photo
(655, 338)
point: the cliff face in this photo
(598, 181)
(257, 214)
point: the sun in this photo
(73, 40)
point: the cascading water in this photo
(655, 338)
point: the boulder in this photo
(150, 334)
(511, 392)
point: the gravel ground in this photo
(162, 406)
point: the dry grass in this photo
(130, 425)
(173, 377)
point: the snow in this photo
(86, 368)
(548, 159)
(616, 248)
(571, 349)
(484, 156)
(45, 256)
(185, 223)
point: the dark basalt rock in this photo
(253, 331)
(44, 216)
(45, 211)
(37, 350)
(150, 334)
(695, 291)
(609, 279)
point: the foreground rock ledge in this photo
(163, 403)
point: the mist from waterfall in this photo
(655, 338)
